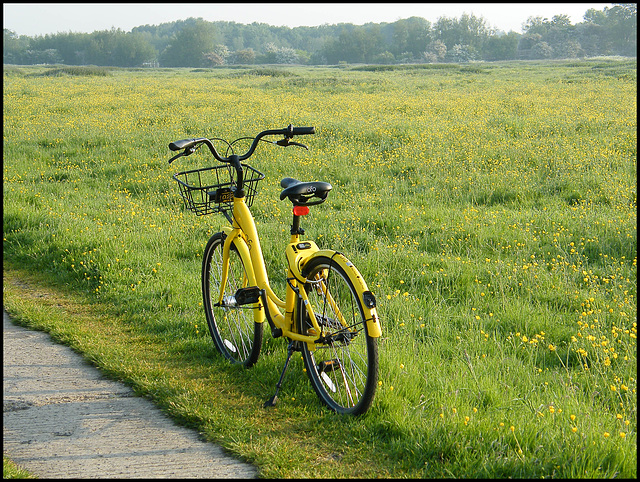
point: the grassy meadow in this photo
(492, 209)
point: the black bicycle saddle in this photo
(302, 193)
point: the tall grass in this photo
(492, 211)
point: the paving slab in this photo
(63, 419)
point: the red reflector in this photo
(300, 210)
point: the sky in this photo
(33, 19)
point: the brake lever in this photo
(186, 152)
(286, 143)
(298, 144)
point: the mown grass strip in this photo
(197, 391)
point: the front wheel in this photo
(234, 331)
(343, 367)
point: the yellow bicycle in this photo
(328, 313)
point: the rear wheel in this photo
(235, 333)
(343, 367)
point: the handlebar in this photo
(189, 146)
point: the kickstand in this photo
(272, 401)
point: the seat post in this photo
(295, 226)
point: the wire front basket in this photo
(210, 189)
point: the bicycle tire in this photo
(344, 369)
(235, 333)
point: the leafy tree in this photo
(437, 51)
(286, 55)
(385, 57)
(560, 37)
(270, 55)
(536, 26)
(132, 50)
(188, 46)
(13, 47)
(279, 55)
(303, 57)
(217, 56)
(461, 53)
(546, 38)
(623, 28)
(354, 44)
(100, 48)
(502, 47)
(469, 31)
(244, 56)
(410, 35)
(569, 49)
(541, 50)
(592, 39)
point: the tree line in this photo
(195, 42)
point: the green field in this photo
(492, 209)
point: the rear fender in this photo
(367, 299)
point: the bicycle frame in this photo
(243, 234)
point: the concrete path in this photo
(62, 419)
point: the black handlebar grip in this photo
(302, 131)
(183, 144)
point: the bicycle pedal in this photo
(328, 365)
(245, 296)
